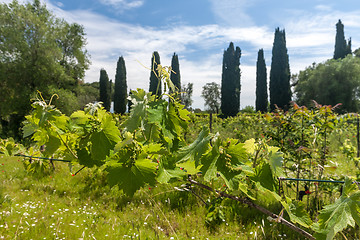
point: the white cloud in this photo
(232, 12)
(307, 42)
(321, 7)
(123, 4)
(310, 38)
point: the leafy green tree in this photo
(105, 89)
(342, 48)
(155, 83)
(230, 81)
(175, 74)
(120, 95)
(357, 52)
(261, 83)
(211, 95)
(186, 95)
(280, 92)
(87, 93)
(38, 52)
(330, 83)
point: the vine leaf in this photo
(139, 174)
(29, 128)
(227, 162)
(297, 212)
(168, 170)
(80, 117)
(137, 117)
(195, 150)
(276, 163)
(209, 161)
(342, 213)
(189, 167)
(104, 140)
(86, 159)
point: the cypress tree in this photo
(105, 89)
(280, 92)
(120, 94)
(230, 81)
(155, 85)
(348, 47)
(175, 73)
(261, 84)
(340, 42)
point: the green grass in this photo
(62, 206)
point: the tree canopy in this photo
(38, 52)
(280, 92)
(120, 93)
(230, 81)
(211, 95)
(175, 73)
(261, 101)
(342, 47)
(155, 83)
(330, 83)
(186, 95)
(105, 95)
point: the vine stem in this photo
(253, 205)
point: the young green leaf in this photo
(131, 178)
(342, 213)
(195, 150)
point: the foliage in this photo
(186, 95)
(120, 95)
(155, 83)
(261, 103)
(248, 109)
(8, 147)
(280, 92)
(149, 149)
(342, 48)
(330, 83)
(211, 95)
(38, 52)
(105, 96)
(175, 72)
(83, 206)
(344, 212)
(230, 81)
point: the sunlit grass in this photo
(62, 206)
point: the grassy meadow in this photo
(63, 206)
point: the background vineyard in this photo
(316, 144)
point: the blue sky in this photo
(200, 30)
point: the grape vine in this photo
(149, 148)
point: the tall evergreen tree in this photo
(348, 47)
(105, 89)
(175, 74)
(120, 94)
(155, 85)
(341, 47)
(280, 91)
(230, 81)
(261, 84)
